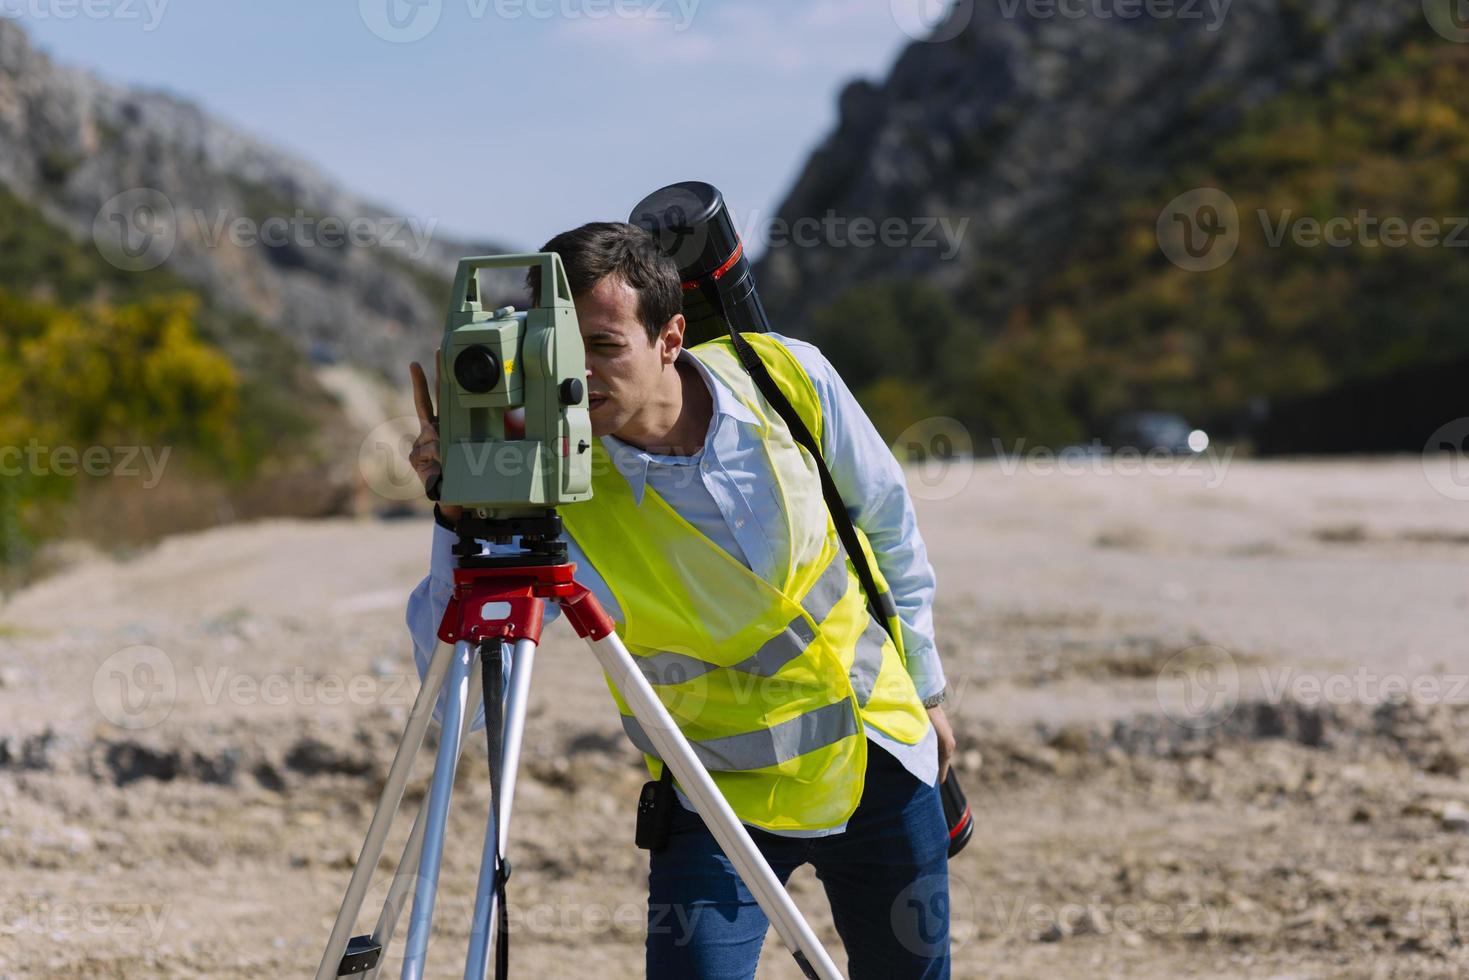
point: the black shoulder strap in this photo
(880, 604)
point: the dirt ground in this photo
(1212, 723)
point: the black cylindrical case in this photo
(956, 813)
(694, 227)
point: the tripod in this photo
(494, 617)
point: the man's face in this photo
(623, 367)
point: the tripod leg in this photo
(497, 828)
(407, 870)
(697, 784)
(522, 661)
(493, 667)
(387, 808)
(420, 920)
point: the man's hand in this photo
(424, 456)
(947, 744)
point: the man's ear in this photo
(672, 337)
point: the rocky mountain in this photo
(1072, 215)
(1024, 124)
(153, 179)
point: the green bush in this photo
(102, 375)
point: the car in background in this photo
(1161, 431)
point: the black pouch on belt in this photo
(655, 812)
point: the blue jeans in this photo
(886, 877)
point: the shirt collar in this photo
(633, 462)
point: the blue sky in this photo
(507, 119)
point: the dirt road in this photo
(1214, 724)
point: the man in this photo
(708, 541)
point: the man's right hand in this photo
(424, 456)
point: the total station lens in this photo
(477, 369)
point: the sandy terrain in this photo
(1179, 699)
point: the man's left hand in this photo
(947, 743)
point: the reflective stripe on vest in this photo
(667, 667)
(868, 661)
(767, 746)
(828, 590)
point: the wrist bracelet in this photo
(443, 521)
(937, 699)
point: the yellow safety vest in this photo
(771, 682)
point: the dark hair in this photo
(613, 248)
